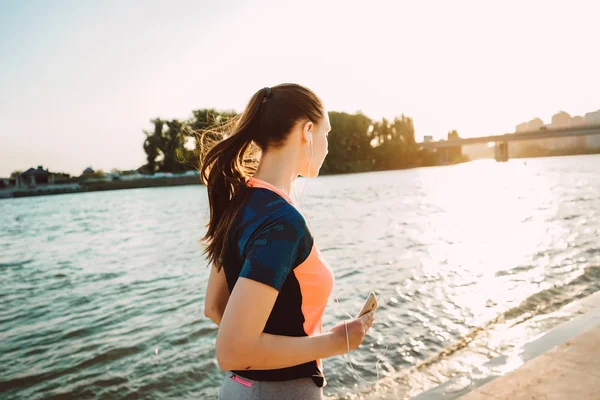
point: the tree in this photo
(170, 142)
(356, 143)
(151, 145)
(167, 146)
(395, 145)
(349, 145)
(201, 128)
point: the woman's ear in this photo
(307, 131)
(309, 126)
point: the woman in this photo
(270, 284)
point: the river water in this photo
(102, 293)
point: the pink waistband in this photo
(242, 381)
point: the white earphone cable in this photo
(379, 358)
(306, 184)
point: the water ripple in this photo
(103, 292)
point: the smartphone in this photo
(370, 304)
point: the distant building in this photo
(578, 121)
(61, 177)
(35, 176)
(533, 125)
(536, 124)
(427, 139)
(90, 175)
(579, 141)
(522, 127)
(561, 119)
(592, 118)
(592, 141)
(515, 148)
(88, 172)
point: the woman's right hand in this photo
(357, 329)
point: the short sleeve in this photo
(276, 249)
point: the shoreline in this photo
(539, 348)
(416, 383)
(44, 190)
(97, 187)
(569, 370)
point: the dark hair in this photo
(231, 156)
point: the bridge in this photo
(502, 140)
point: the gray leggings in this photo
(235, 387)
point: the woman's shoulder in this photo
(268, 218)
(268, 206)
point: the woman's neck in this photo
(278, 168)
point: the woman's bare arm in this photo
(217, 295)
(241, 343)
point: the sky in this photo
(81, 80)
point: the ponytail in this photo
(230, 155)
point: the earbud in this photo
(309, 136)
